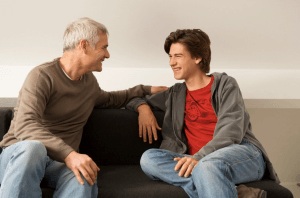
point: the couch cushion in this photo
(273, 189)
(127, 181)
(130, 181)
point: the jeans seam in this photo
(237, 162)
(259, 171)
(226, 176)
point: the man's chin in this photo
(177, 77)
(99, 69)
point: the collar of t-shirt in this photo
(69, 76)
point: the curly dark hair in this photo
(197, 43)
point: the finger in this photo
(86, 176)
(144, 134)
(158, 127)
(154, 132)
(95, 168)
(91, 172)
(140, 130)
(177, 159)
(194, 167)
(183, 169)
(189, 170)
(149, 134)
(180, 163)
(78, 176)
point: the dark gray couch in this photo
(111, 139)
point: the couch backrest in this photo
(111, 137)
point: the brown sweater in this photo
(53, 109)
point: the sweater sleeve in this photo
(233, 120)
(156, 101)
(118, 99)
(34, 96)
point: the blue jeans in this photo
(215, 175)
(24, 164)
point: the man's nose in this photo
(107, 55)
(172, 62)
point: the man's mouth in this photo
(176, 69)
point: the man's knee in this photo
(33, 147)
(210, 167)
(84, 190)
(149, 161)
(31, 151)
(148, 157)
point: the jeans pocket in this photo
(253, 148)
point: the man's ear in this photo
(83, 45)
(198, 60)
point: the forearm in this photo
(118, 99)
(135, 103)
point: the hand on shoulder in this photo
(157, 89)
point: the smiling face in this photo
(97, 56)
(183, 65)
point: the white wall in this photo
(245, 34)
(254, 83)
(254, 41)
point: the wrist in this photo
(72, 153)
(143, 107)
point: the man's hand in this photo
(155, 90)
(80, 163)
(187, 165)
(147, 123)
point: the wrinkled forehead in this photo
(103, 38)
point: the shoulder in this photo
(178, 87)
(45, 69)
(40, 76)
(224, 80)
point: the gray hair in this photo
(83, 28)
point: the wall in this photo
(278, 129)
(244, 34)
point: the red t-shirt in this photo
(200, 119)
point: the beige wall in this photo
(244, 34)
(279, 132)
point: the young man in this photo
(208, 146)
(53, 106)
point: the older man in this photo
(53, 106)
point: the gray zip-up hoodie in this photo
(233, 119)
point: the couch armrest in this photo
(5, 119)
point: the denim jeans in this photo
(24, 164)
(215, 175)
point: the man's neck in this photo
(197, 81)
(71, 66)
